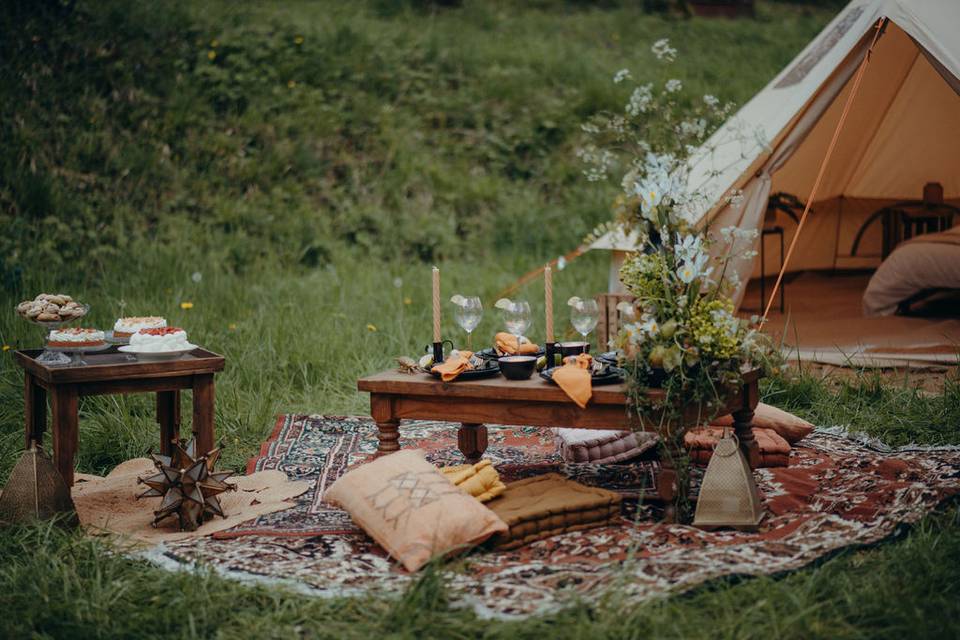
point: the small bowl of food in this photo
(518, 367)
(574, 348)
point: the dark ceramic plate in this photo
(491, 354)
(492, 369)
(612, 375)
(610, 357)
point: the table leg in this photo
(168, 416)
(667, 488)
(203, 399)
(472, 441)
(389, 435)
(64, 405)
(743, 424)
(34, 409)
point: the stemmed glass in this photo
(516, 316)
(469, 312)
(584, 315)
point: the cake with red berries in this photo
(76, 338)
(160, 339)
(126, 327)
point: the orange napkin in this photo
(574, 378)
(454, 365)
(507, 343)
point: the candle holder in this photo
(437, 352)
(551, 350)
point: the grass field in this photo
(293, 171)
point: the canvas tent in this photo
(902, 131)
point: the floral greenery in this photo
(681, 334)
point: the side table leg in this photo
(743, 424)
(388, 426)
(65, 432)
(472, 441)
(389, 435)
(34, 409)
(168, 416)
(203, 399)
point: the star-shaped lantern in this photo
(188, 486)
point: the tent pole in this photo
(881, 25)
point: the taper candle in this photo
(436, 304)
(548, 294)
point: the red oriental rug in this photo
(838, 491)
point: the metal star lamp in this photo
(728, 494)
(187, 485)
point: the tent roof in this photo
(902, 132)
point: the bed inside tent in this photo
(874, 278)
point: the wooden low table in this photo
(112, 372)
(396, 396)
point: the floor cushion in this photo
(603, 447)
(790, 427)
(547, 505)
(411, 509)
(774, 450)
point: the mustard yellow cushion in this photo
(480, 480)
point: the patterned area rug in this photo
(320, 449)
(837, 492)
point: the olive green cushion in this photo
(543, 506)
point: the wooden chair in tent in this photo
(910, 218)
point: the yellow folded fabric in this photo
(480, 480)
(453, 366)
(574, 378)
(507, 343)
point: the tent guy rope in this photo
(881, 25)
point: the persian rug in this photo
(320, 449)
(838, 491)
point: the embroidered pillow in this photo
(411, 509)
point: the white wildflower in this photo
(640, 100)
(711, 101)
(673, 85)
(620, 76)
(662, 49)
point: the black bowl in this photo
(517, 367)
(573, 348)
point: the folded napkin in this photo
(454, 365)
(774, 450)
(507, 343)
(574, 378)
(480, 480)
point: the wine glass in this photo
(517, 317)
(584, 315)
(469, 312)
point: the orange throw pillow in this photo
(790, 427)
(411, 509)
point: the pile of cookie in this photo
(50, 307)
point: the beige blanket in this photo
(930, 261)
(109, 505)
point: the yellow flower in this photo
(186, 305)
(211, 54)
(232, 326)
(371, 327)
(298, 40)
(6, 347)
(407, 300)
(291, 83)
(214, 43)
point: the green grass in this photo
(312, 213)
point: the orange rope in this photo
(530, 275)
(823, 168)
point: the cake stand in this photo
(49, 355)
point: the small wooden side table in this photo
(113, 372)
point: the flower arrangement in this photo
(681, 334)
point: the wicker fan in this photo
(36, 491)
(188, 486)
